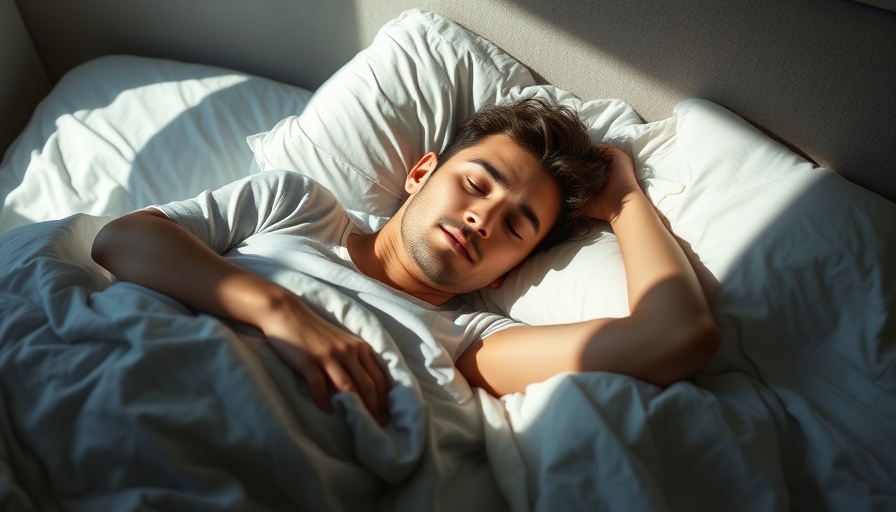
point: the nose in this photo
(480, 221)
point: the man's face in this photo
(479, 215)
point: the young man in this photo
(514, 179)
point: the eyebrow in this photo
(524, 209)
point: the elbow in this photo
(703, 340)
(117, 240)
(103, 246)
(694, 343)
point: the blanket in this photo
(114, 397)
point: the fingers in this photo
(317, 383)
(380, 383)
(303, 365)
(348, 364)
(323, 353)
(356, 370)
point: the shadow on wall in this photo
(809, 73)
(299, 42)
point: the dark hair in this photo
(557, 138)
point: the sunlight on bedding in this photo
(120, 133)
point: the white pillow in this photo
(782, 246)
(399, 98)
(121, 132)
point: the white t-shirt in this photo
(278, 224)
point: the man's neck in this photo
(380, 256)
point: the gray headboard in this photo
(818, 75)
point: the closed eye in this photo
(499, 177)
(475, 187)
(513, 231)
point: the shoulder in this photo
(477, 322)
(284, 182)
(292, 188)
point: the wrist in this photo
(627, 201)
(262, 303)
(280, 304)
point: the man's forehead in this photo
(503, 158)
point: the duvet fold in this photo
(116, 397)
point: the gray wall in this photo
(818, 75)
(23, 81)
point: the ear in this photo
(497, 282)
(419, 172)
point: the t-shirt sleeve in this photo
(479, 325)
(225, 217)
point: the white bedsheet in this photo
(607, 442)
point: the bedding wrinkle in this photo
(334, 157)
(629, 427)
(23, 483)
(121, 132)
(864, 430)
(144, 401)
(831, 375)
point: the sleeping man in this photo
(515, 179)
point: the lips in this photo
(458, 242)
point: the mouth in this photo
(457, 242)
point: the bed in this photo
(116, 398)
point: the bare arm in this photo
(148, 248)
(669, 335)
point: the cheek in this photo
(455, 197)
(511, 255)
(444, 198)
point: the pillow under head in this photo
(398, 99)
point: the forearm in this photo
(671, 332)
(148, 249)
(510, 360)
(652, 257)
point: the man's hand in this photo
(621, 184)
(323, 353)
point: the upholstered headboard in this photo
(818, 75)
